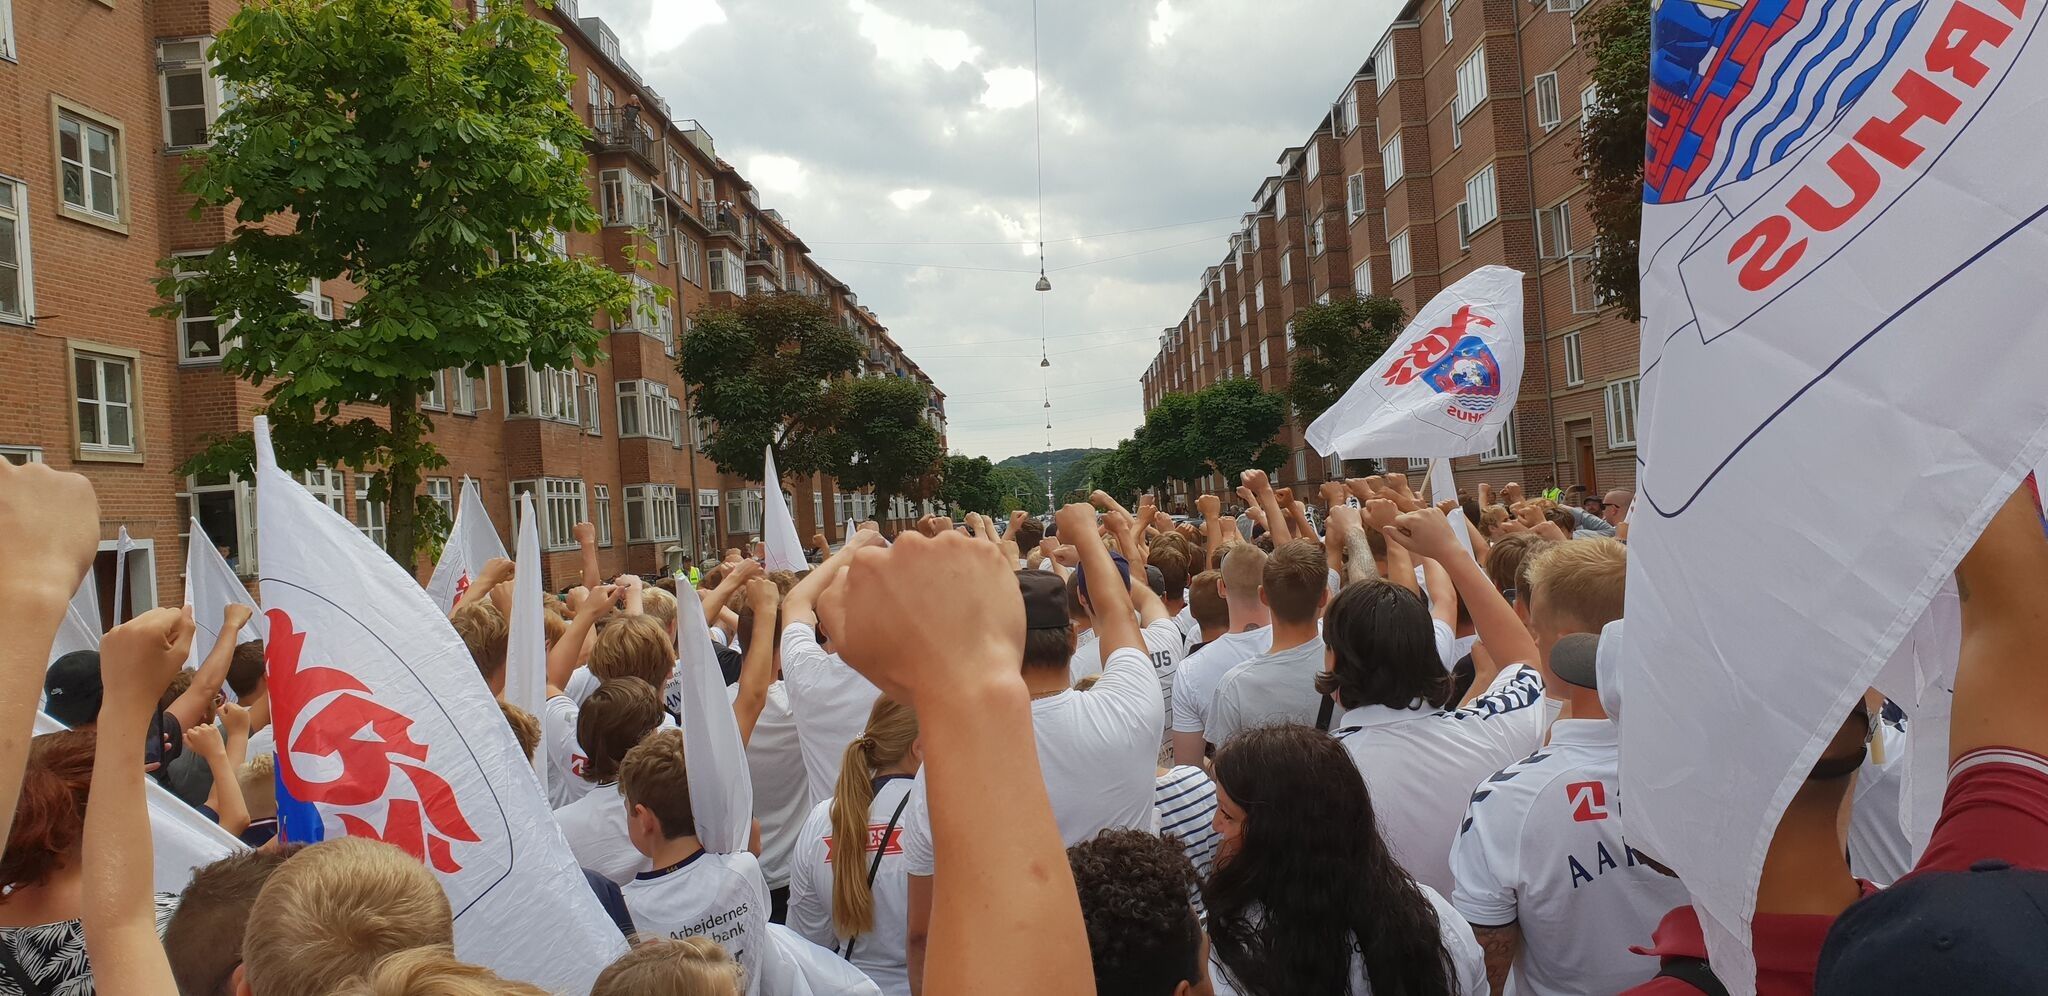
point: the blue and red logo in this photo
(1469, 374)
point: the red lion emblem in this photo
(1424, 352)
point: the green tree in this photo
(1334, 344)
(764, 372)
(1021, 489)
(426, 159)
(1235, 423)
(1612, 146)
(881, 438)
(1167, 447)
(969, 484)
(1120, 472)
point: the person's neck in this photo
(1041, 681)
(1244, 616)
(1210, 634)
(1174, 606)
(55, 900)
(1805, 870)
(1289, 635)
(673, 850)
(1083, 627)
(1583, 702)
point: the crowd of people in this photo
(1369, 748)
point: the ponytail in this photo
(892, 728)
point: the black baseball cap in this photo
(1045, 599)
(1574, 660)
(72, 689)
(1976, 931)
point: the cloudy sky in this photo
(896, 136)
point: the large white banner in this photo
(80, 629)
(782, 550)
(180, 838)
(386, 730)
(1843, 344)
(210, 587)
(472, 542)
(526, 651)
(1445, 387)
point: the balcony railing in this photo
(760, 252)
(617, 129)
(717, 219)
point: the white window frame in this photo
(1259, 296)
(1316, 245)
(85, 122)
(646, 410)
(1361, 278)
(369, 515)
(656, 508)
(1471, 84)
(1354, 197)
(1554, 221)
(559, 504)
(743, 508)
(626, 199)
(1392, 168)
(435, 397)
(1383, 68)
(1505, 445)
(1312, 161)
(325, 485)
(1347, 109)
(1286, 268)
(1588, 96)
(1549, 107)
(16, 214)
(209, 106)
(691, 257)
(601, 513)
(21, 455)
(442, 491)
(7, 50)
(128, 410)
(186, 322)
(466, 398)
(593, 405)
(551, 395)
(1399, 265)
(1624, 403)
(1448, 31)
(242, 499)
(1482, 198)
(1574, 361)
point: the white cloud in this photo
(671, 22)
(1164, 21)
(906, 44)
(908, 198)
(776, 174)
(1008, 86)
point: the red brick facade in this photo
(1562, 431)
(83, 283)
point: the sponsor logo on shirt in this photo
(725, 927)
(1588, 799)
(874, 843)
(1602, 862)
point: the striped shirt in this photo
(1186, 801)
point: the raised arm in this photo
(2001, 685)
(568, 651)
(193, 704)
(757, 668)
(1443, 591)
(496, 571)
(1382, 512)
(1115, 624)
(728, 586)
(1269, 505)
(721, 790)
(229, 809)
(586, 551)
(50, 525)
(635, 589)
(1006, 921)
(138, 659)
(1428, 534)
(800, 606)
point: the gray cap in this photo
(1574, 658)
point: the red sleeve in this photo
(1996, 807)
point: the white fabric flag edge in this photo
(778, 529)
(526, 660)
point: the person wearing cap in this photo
(1279, 686)
(1097, 749)
(1163, 645)
(1554, 893)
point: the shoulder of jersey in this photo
(1512, 787)
(1522, 691)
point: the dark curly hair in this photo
(1310, 879)
(1136, 890)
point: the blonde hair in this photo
(891, 730)
(1087, 682)
(1244, 569)
(1581, 580)
(334, 910)
(484, 631)
(634, 647)
(553, 625)
(659, 605)
(525, 728)
(433, 971)
(258, 778)
(684, 966)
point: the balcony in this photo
(618, 129)
(717, 219)
(761, 254)
(697, 136)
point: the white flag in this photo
(1843, 340)
(180, 838)
(526, 650)
(778, 530)
(122, 545)
(472, 542)
(386, 730)
(1445, 387)
(80, 629)
(210, 587)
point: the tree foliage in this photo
(1334, 344)
(426, 159)
(970, 484)
(1235, 422)
(1021, 489)
(1612, 146)
(765, 372)
(1167, 448)
(879, 438)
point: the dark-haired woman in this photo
(1305, 899)
(42, 944)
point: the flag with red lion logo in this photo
(472, 542)
(1445, 387)
(386, 730)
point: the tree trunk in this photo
(402, 479)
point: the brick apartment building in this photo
(100, 100)
(1455, 146)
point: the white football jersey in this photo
(719, 896)
(881, 951)
(830, 701)
(1542, 846)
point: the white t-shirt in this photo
(1194, 684)
(719, 896)
(595, 827)
(831, 702)
(1190, 630)
(1467, 958)
(1542, 846)
(1278, 686)
(1163, 643)
(1420, 765)
(564, 754)
(880, 952)
(1087, 658)
(1098, 751)
(781, 791)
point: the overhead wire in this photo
(1026, 242)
